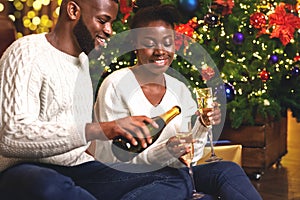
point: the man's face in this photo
(95, 23)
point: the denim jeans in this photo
(227, 180)
(92, 180)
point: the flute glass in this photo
(205, 105)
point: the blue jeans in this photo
(92, 180)
(225, 179)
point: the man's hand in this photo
(133, 128)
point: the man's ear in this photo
(73, 10)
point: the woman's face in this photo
(155, 46)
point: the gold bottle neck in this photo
(170, 114)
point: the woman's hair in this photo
(147, 11)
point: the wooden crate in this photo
(263, 145)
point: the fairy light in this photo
(194, 68)
(56, 12)
(45, 2)
(37, 5)
(223, 33)
(217, 47)
(36, 20)
(31, 14)
(18, 5)
(244, 79)
(12, 17)
(26, 22)
(1, 7)
(240, 91)
(33, 20)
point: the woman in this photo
(145, 89)
(152, 91)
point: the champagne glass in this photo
(186, 159)
(205, 105)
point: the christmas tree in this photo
(255, 46)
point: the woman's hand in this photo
(179, 146)
(214, 116)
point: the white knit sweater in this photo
(46, 100)
(120, 95)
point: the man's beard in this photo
(83, 36)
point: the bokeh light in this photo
(34, 16)
(1, 7)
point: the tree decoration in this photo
(229, 91)
(211, 19)
(224, 5)
(285, 24)
(297, 58)
(188, 6)
(126, 8)
(273, 59)
(258, 20)
(295, 71)
(187, 29)
(264, 75)
(282, 23)
(238, 38)
(207, 73)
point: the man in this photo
(46, 108)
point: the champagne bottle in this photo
(125, 151)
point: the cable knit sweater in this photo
(120, 95)
(46, 100)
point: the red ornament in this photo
(264, 75)
(258, 20)
(207, 73)
(297, 58)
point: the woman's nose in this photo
(160, 50)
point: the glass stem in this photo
(192, 177)
(211, 141)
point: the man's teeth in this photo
(102, 40)
(160, 62)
